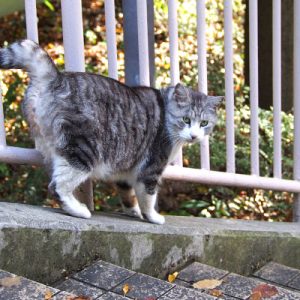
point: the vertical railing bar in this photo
(173, 36)
(174, 58)
(201, 47)
(253, 37)
(202, 73)
(296, 210)
(143, 43)
(74, 61)
(2, 125)
(110, 23)
(73, 35)
(229, 91)
(277, 87)
(31, 20)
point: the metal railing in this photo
(74, 61)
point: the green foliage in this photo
(49, 4)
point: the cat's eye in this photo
(203, 123)
(186, 120)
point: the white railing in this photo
(74, 58)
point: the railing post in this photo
(110, 24)
(253, 20)
(174, 57)
(296, 211)
(31, 20)
(74, 61)
(2, 127)
(229, 91)
(202, 74)
(73, 35)
(277, 88)
(133, 59)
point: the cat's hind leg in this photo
(147, 196)
(129, 201)
(66, 179)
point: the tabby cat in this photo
(89, 126)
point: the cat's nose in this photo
(193, 137)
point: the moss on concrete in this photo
(244, 252)
(46, 256)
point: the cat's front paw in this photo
(78, 210)
(154, 217)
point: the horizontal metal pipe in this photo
(30, 156)
(230, 179)
(16, 155)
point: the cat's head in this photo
(190, 115)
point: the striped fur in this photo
(90, 126)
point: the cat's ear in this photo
(215, 101)
(181, 94)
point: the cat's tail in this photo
(28, 55)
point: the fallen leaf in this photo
(10, 281)
(255, 296)
(266, 291)
(126, 288)
(48, 295)
(216, 293)
(207, 284)
(172, 277)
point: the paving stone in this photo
(80, 288)
(284, 294)
(295, 283)
(226, 297)
(22, 288)
(63, 296)
(277, 273)
(241, 287)
(235, 285)
(111, 296)
(103, 275)
(182, 293)
(197, 271)
(182, 283)
(143, 286)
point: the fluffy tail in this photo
(28, 55)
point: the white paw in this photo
(154, 217)
(133, 211)
(77, 209)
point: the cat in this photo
(90, 126)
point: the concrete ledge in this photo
(44, 244)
